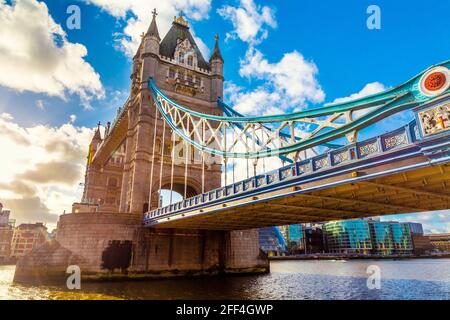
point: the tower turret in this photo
(151, 38)
(216, 61)
(149, 53)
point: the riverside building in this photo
(26, 237)
(367, 237)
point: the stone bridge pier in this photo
(110, 246)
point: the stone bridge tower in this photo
(179, 69)
(105, 230)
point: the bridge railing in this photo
(387, 142)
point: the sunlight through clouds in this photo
(43, 168)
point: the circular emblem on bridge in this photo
(435, 81)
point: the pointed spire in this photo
(97, 135)
(216, 55)
(153, 29)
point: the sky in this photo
(57, 82)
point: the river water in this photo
(400, 279)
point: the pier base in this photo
(112, 246)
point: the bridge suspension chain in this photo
(162, 163)
(326, 124)
(172, 164)
(187, 151)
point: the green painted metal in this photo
(378, 107)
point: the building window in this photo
(190, 61)
(172, 73)
(181, 57)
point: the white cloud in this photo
(369, 89)
(72, 118)
(288, 84)
(41, 186)
(40, 104)
(36, 56)
(138, 23)
(250, 21)
(432, 221)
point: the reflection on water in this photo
(402, 279)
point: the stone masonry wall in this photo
(83, 238)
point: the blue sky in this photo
(327, 40)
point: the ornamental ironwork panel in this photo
(395, 141)
(341, 157)
(321, 163)
(368, 149)
(305, 168)
(286, 173)
(435, 120)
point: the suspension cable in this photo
(173, 163)
(246, 143)
(186, 164)
(255, 161)
(153, 160)
(234, 161)
(264, 158)
(225, 160)
(162, 162)
(203, 157)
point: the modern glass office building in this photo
(416, 228)
(348, 236)
(381, 235)
(368, 237)
(296, 234)
(271, 240)
(401, 238)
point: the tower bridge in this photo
(176, 98)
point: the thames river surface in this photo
(400, 279)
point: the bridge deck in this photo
(403, 180)
(421, 189)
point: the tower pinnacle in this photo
(153, 29)
(180, 20)
(216, 55)
(97, 136)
